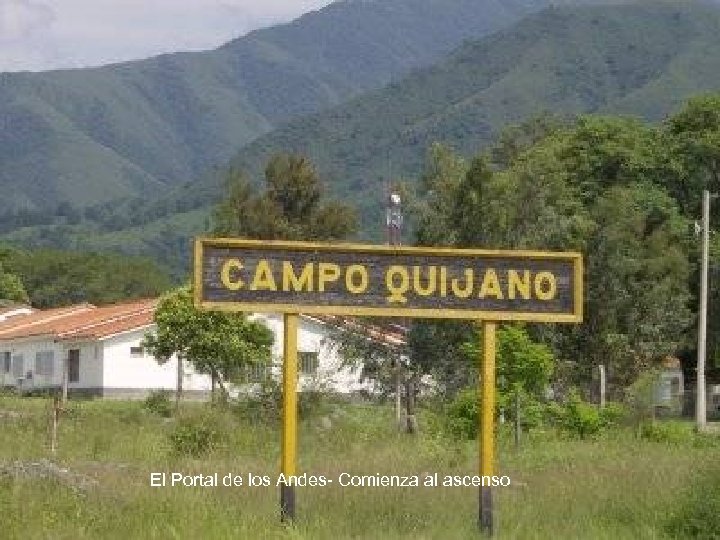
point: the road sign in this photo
(350, 279)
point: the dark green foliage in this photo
(158, 402)
(12, 289)
(57, 278)
(291, 207)
(595, 186)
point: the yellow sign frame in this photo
(447, 313)
(487, 322)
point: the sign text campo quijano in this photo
(354, 279)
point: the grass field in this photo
(614, 487)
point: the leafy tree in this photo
(598, 187)
(215, 343)
(291, 207)
(58, 278)
(523, 367)
(11, 288)
(694, 133)
(520, 361)
(432, 211)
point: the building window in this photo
(18, 366)
(44, 363)
(137, 352)
(73, 365)
(675, 386)
(6, 362)
(309, 363)
(256, 373)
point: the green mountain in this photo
(135, 128)
(639, 59)
(642, 59)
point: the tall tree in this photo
(216, 343)
(291, 206)
(695, 135)
(596, 187)
(11, 288)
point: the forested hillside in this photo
(643, 59)
(86, 136)
(636, 59)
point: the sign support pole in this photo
(289, 416)
(487, 420)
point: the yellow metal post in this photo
(289, 415)
(487, 424)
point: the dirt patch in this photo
(47, 470)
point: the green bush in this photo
(613, 414)
(462, 415)
(667, 432)
(582, 419)
(195, 436)
(266, 403)
(158, 402)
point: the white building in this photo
(12, 310)
(102, 349)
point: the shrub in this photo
(195, 436)
(462, 415)
(667, 432)
(266, 402)
(582, 419)
(640, 397)
(158, 402)
(613, 414)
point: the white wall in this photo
(123, 371)
(90, 365)
(315, 337)
(14, 312)
(108, 364)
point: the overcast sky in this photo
(46, 34)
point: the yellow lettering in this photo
(545, 286)
(443, 281)
(490, 285)
(397, 291)
(352, 271)
(263, 280)
(431, 281)
(327, 272)
(518, 284)
(303, 282)
(226, 275)
(461, 292)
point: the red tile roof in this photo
(83, 321)
(392, 335)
